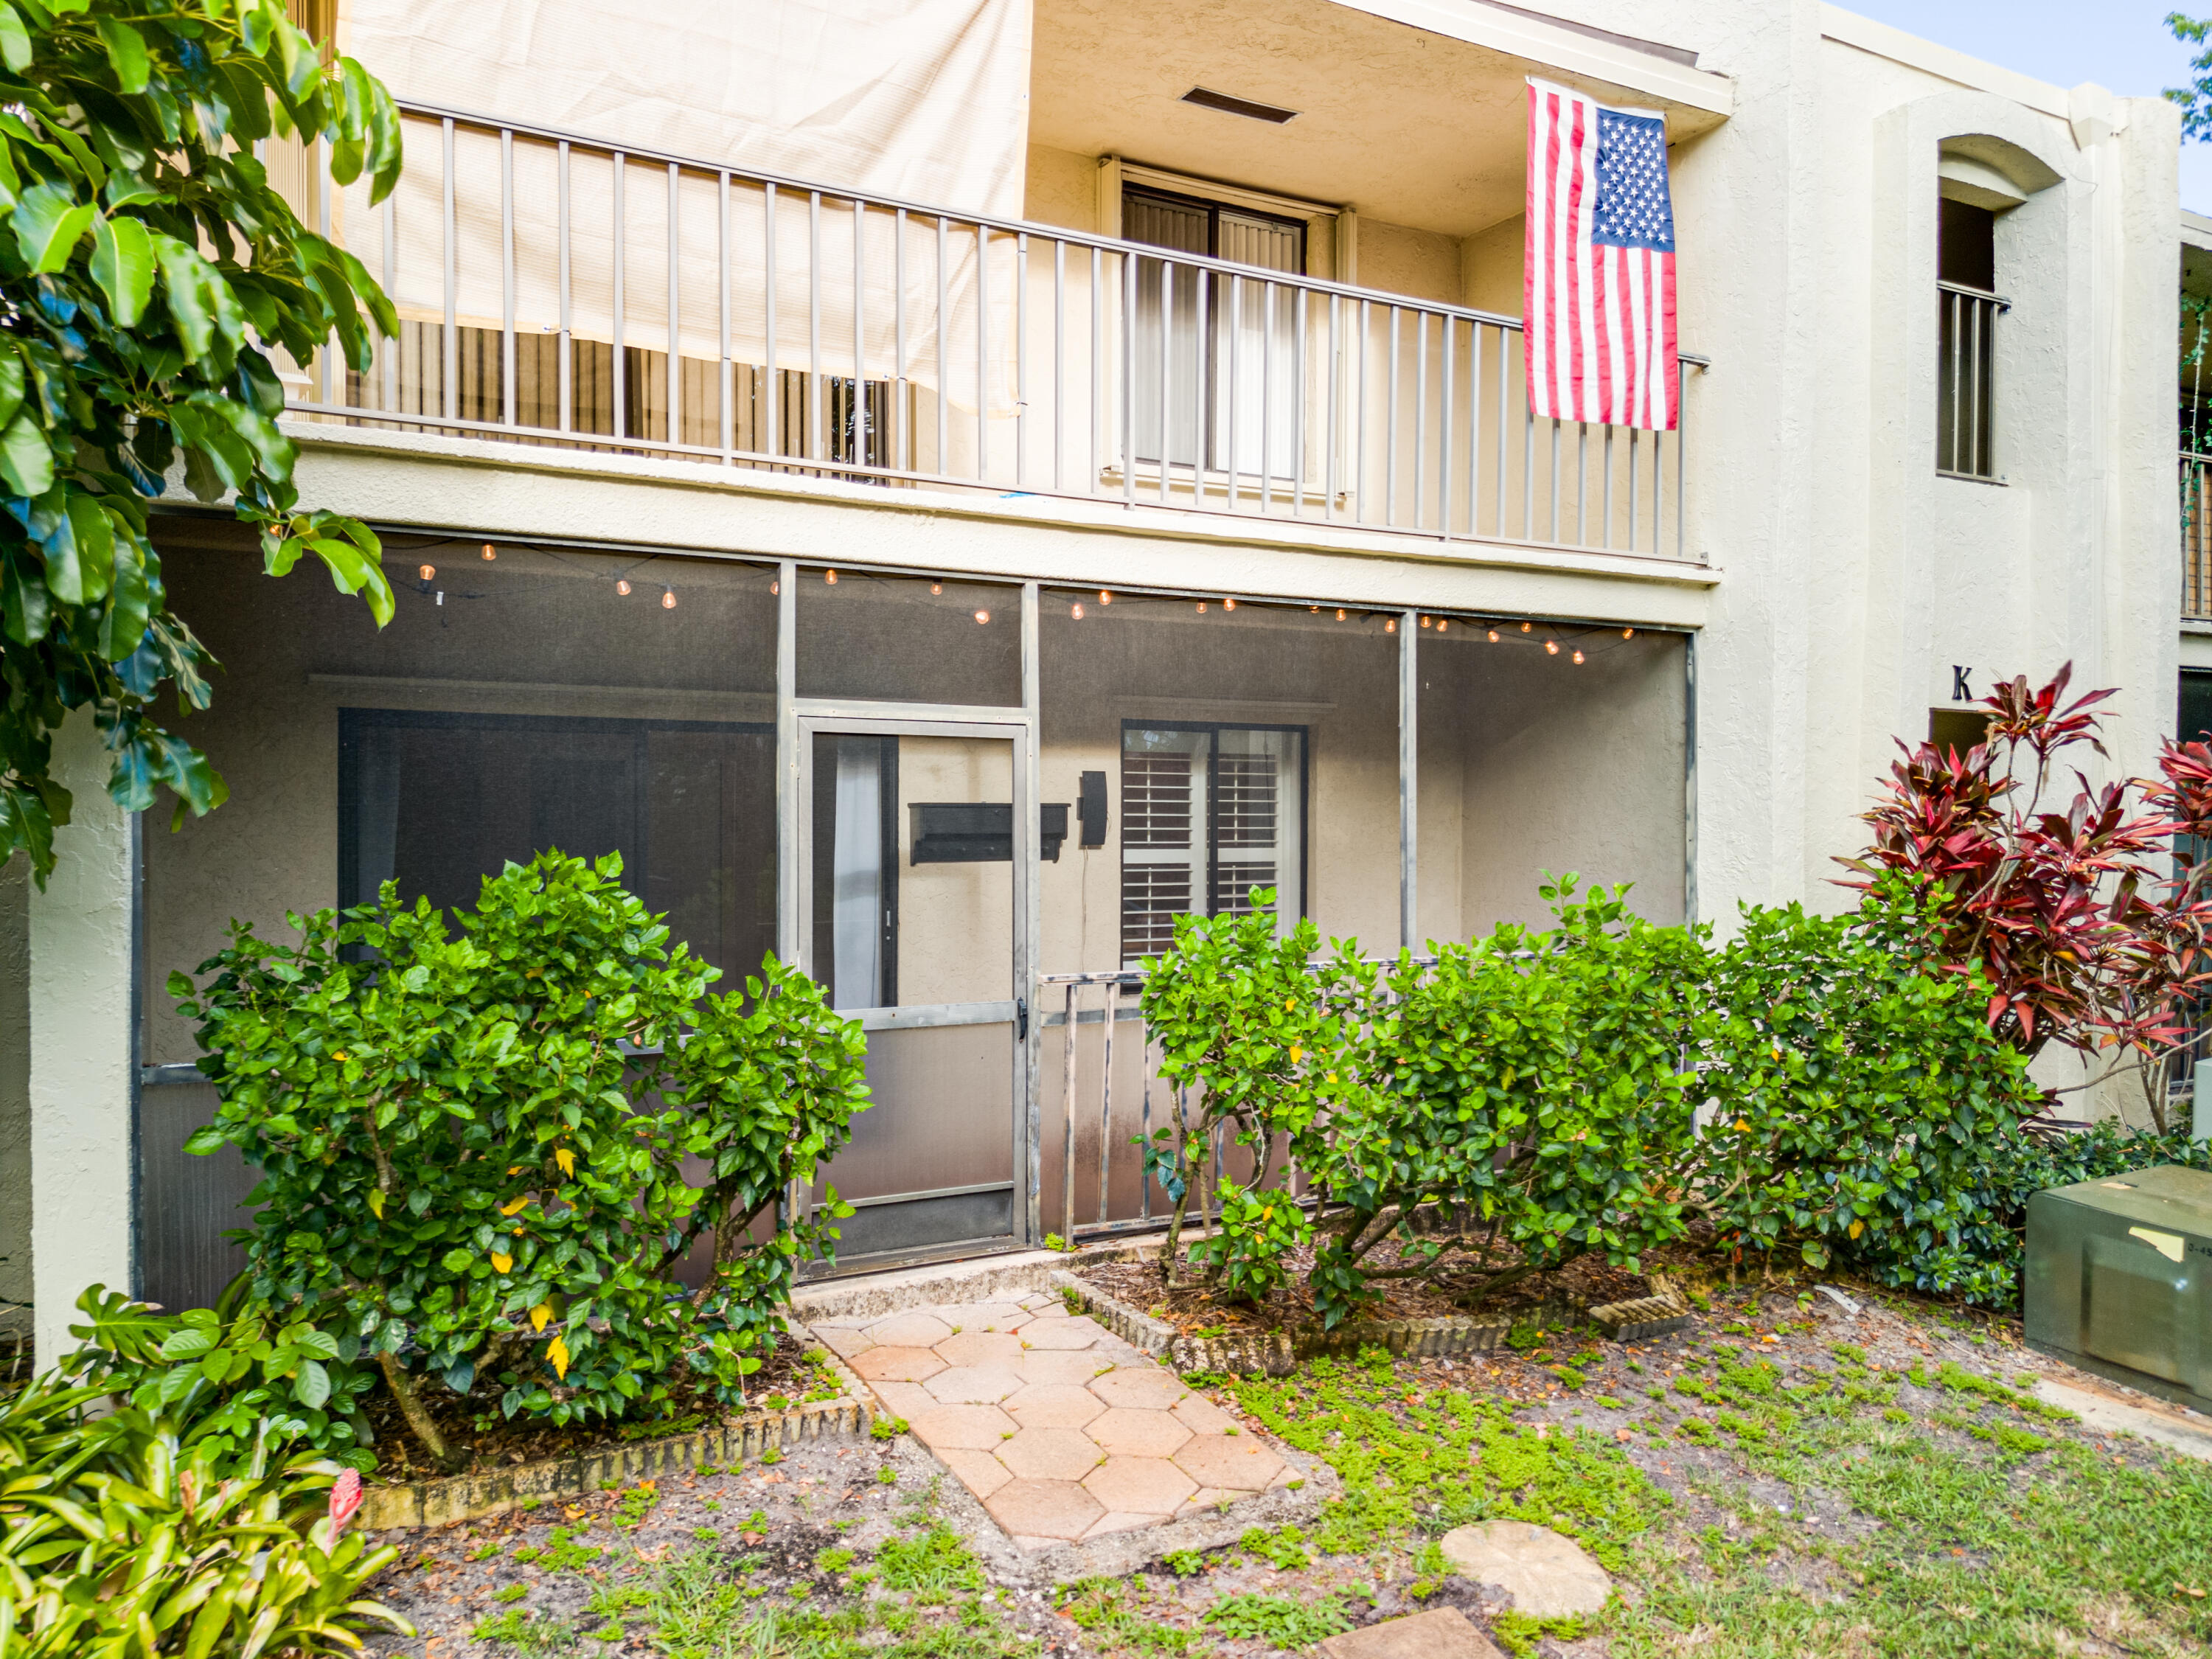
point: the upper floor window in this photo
(1967, 312)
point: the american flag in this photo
(1598, 284)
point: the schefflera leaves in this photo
(150, 277)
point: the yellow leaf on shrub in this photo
(516, 1207)
(566, 1159)
(500, 1263)
(1296, 1054)
(1856, 1228)
(1740, 1124)
(558, 1351)
(539, 1315)
(376, 1203)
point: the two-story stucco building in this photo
(942, 486)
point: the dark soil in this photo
(1585, 1282)
(474, 1421)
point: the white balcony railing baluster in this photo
(552, 291)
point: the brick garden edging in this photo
(469, 1496)
(1277, 1352)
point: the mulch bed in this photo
(496, 1442)
(1194, 1310)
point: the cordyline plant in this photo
(2075, 916)
(482, 1145)
(148, 272)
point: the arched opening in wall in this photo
(1979, 178)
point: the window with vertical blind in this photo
(1208, 813)
(1191, 328)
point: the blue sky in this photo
(2122, 43)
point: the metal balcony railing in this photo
(558, 290)
(2195, 535)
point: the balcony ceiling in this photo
(1418, 122)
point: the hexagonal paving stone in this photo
(973, 1384)
(903, 1399)
(1140, 1485)
(1201, 1416)
(1145, 1385)
(978, 1471)
(1240, 1460)
(1206, 1497)
(979, 1428)
(1050, 1455)
(974, 1347)
(1113, 1521)
(1053, 1406)
(980, 1316)
(1075, 1366)
(844, 1341)
(1042, 1332)
(1045, 1509)
(896, 1365)
(1130, 1432)
(910, 1330)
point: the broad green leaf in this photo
(123, 265)
(26, 463)
(14, 39)
(126, 53)
(48, 220)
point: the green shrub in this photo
(243, 1378)
(1259, 1229)
(478, 1137)
(136, 1532)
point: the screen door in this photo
(911, 900)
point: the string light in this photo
(775, 587)
(1425, 621)
(1076, 610)
(1525, 628)
(490, 552)
(1579, 656)
(937, 587)
(668, 599)
(1391, 626)
(427, 572)
(830, 577)
(983, 616)
(1493, 636)
(1105, 597)
(1552, 646)
(1443, 622)
(1229, 605)
(1339, 614)
(1201, 607)
(622, 584)
(1628, 632)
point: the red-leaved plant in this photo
(2092, 924)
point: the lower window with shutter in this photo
(1209, 812)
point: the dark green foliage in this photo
(479, 1140)
(150, 274)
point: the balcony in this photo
(558, 291)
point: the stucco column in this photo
(82, 1049)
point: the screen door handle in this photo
(1021, 1019)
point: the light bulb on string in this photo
(1201, 607)
(775, 587)
(1105, 596)
(1578, 657)
(1443, 622)
(1552, 646)
(937, 587)
(668, 599)
(1628, 632)
(1427, 621)
(489, 551)
(1493, 636)
(427, 572)
(1229, 605)
(983, 616)
(622, 584)
(1526, 628)
(1339, 614)
(829, 577)
(1076, 610)
(1390, 625)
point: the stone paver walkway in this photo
(1064, 1430)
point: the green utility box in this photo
(2119, 1280)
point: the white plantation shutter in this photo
(1182, 853)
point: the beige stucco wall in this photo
(15, 1081)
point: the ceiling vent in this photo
(1244, 106)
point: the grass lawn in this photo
(1787, 1479)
